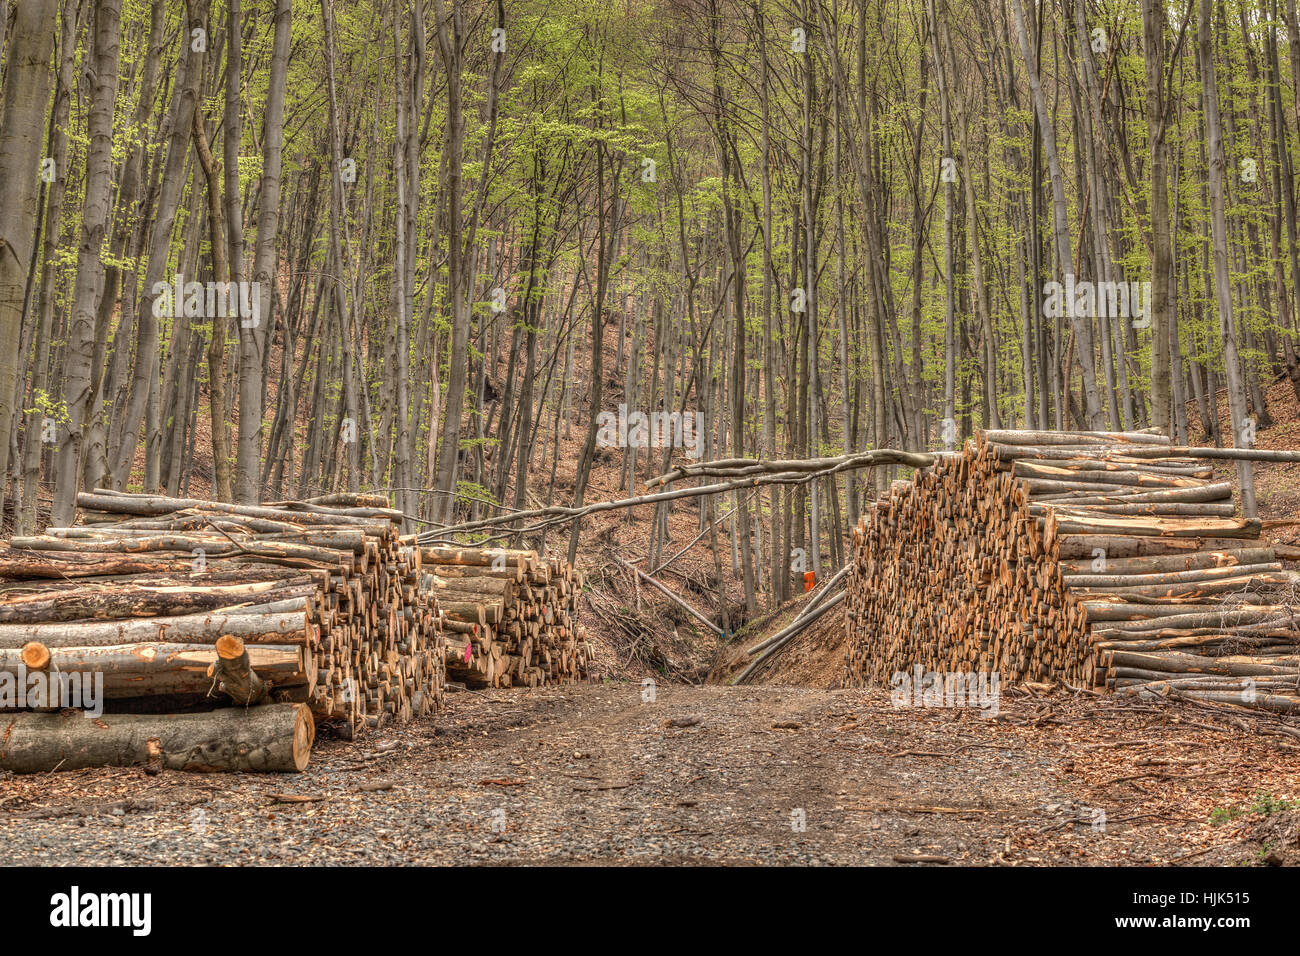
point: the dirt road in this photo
(753, 775)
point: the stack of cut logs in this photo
(1097, 558)
(510, 617)
(182, 603)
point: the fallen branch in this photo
(671, 596)
(779, 641)
(740, 467)
(558, 514)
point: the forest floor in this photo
(599, 774)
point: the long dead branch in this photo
(741, 467)
(673, 597)
(754, 472)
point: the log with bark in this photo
(233, 671)
(274, 738)
(131, 671)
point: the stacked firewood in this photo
(1099, 559)
(510, 617)
(181, 603)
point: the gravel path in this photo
(752, 775)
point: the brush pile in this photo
(1100, 559)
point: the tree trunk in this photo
(79, 375)
(254, 332)
(1060, 215)
(450, 45)
(270, 739)
(26, 97)
(1219, 232)
(185, 96)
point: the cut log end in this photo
(229, 647)
(35, 656)
(304, 736)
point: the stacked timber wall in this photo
(295, 611)
(511, 617)
(1098, 559)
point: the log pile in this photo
(1100, 559)
(510, 617)
(180, 603)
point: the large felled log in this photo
(1131, 496)
(290, 549)
(1030, 437)
(1007, 453)
(204, 531)
(163, 669)
(1114, 546)
(1155, 527)
(328, 577)
(339, 499)
(115, 602)
(1065, 467)
(25, 565)
(1044, 478)
(30, 564)
(1138, 509)
(154, 505)
(1115, 578)
(291, 627)
(1179, 663)
(191, 576)
(1159, 564)
(1139, 617)
(497, 558)
(1240, 589)
(271, 738)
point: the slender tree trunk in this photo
(81, 347)
(144, 380)
(128, 235)
(254, 335)
(1163, 311)
(217, 344)
(1219, 233)
(35, 435)
(1060, 215)
(449, 32)
(26, 97)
